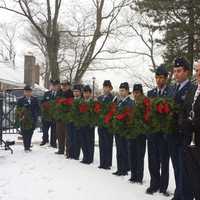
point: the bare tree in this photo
(43, 16)
(89, 38)
(139, 27)
(7, 42)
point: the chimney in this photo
(31, 70)
(37, 74)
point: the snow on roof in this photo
(9, 75)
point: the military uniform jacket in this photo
(167, 92)
(126, 102)
(106, 98)
(32, 106)
(179, 98)
(48, 96)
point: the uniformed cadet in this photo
(181, 88)
(61, 127)
(137, 146)
(73, 131)
(121, 141)
(31, 104)
(105, 137)
(87, 133)
(46, 124)
(158, 153)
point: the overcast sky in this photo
(138, 66)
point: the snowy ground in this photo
(42, 175)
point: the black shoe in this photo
(67, 157)
(151, 190)
(103, 167)
(123, 174)
(27, 150)
(43, 143)
(165, 193)
(116, 173)
(132, 180)
(59, 152)
(86, 162)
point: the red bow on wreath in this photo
(65, 101)
(112, 110)
(163, 108)
(97, 107)
(147, 104)
(83, 107)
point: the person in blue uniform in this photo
(158, 153)
(121, 141)
(46, 124)
(74, 131)
(87, 133)
(180, 89)
(31, 104)
(137, 146)
(105, 137)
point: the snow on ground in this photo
(43, 175)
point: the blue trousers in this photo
(176, 146)
(158, 159)
(122, 154)
(105, 147)
(87, 143)
(74, 141)
(137, 148)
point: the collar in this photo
(182, 84)
(162, 89)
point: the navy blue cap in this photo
(65, 82)
(182, 62)
(78, 87)
(161, 70)
(124, 85)
(27, 88)
(87, 88)
(107, 83)
(55, 82)
(138, 87)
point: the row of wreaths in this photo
(147, 116)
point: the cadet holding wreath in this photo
(26, 115)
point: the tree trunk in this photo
(53, 57)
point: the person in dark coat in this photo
(47, 124)
(87, 135)
(31, 104)
(180, 89)
(74, 131)
(121, 141)
(158, 153)
(137, 146)
(105, 137)
(61, 127)
(190, 120)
